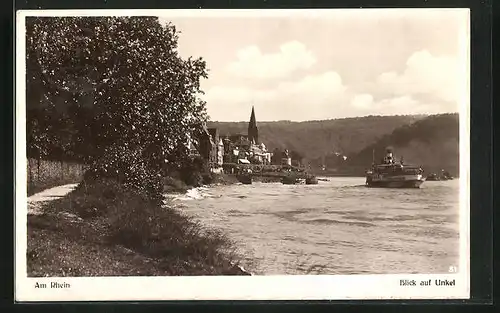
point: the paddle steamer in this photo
(392, 174)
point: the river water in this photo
(336, 227)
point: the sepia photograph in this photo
(242, 154)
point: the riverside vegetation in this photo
(103, 228)
(112, 93)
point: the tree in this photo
(130, 98)
(296, 156)
(276, 157)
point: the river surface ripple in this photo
(336, 227)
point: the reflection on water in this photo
(336, 227)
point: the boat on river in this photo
(311, 180)
(435, 177)
(290, 180)
(245, 176)
(245, 179)
(391, 174)
(293, 180)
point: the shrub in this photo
(128, 166)
(172, 184)
(192, 171)
(194, 179)
(128, 218)
(208, 178)
(223, 179)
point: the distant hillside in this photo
(432, 142)
(314, 139)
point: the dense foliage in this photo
(112, 92)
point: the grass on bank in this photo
(103, 229)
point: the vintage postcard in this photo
(242, 154)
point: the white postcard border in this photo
(292, 287)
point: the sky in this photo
(325, 64)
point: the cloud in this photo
(237, 95)
(365, 104)
(403, 104)
(362, 101)
(428, 84)
(312, 97)
(425, 74)
(252, 63)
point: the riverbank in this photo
(104, 229)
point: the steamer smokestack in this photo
(388, 155)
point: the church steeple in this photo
(253, 132)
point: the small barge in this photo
(245, 176)
(290, 180)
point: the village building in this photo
(215, 159)
(259, 154)
(200, 143)
(218, 150)
(250, 150)
(208, 145)
(235, 148)
(253, 131)
(191, 145)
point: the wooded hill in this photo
(432, 142)
(315, 139)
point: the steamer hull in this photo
(404, 182)
(394, 175)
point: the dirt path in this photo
(35, 201)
